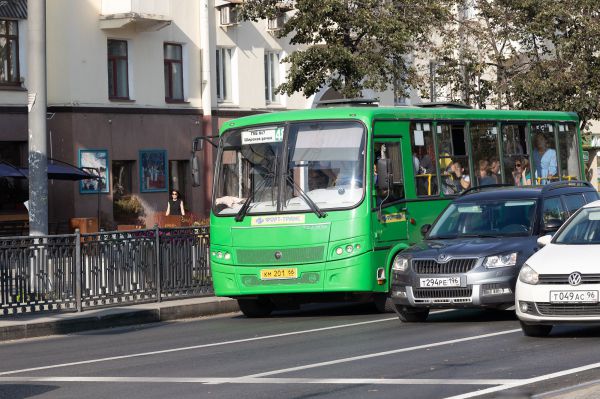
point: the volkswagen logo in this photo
(575, 278)
(278, 255)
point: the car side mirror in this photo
(544, 240)
(425, 229)
(384, 174)
(552, 225)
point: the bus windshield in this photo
(322, 163)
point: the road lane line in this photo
(245, 380)
(385, 353)
(160, 352)
(527, 381)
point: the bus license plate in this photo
(436, 282)
(278, 274)
(573, 296)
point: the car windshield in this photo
(582, 229)
(320, 168)
(498, 218)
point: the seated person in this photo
(456, 181)
(484, 174)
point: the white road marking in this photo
(527, 381)
(385, 353)
(160, 352)
(249, 380)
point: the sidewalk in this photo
(38, 325)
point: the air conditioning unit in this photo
(229, 15)
(276, 23)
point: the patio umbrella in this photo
(8, 170)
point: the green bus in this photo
(313, 205)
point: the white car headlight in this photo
(528, 276)
(400, 264)
(492, 262)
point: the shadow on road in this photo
(22, 391)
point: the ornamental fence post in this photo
(158, 277)
(78, 274)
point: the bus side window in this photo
(391, 151)
(423, 159)
(569, 151)
(545, 163)
(453, 158)
(517, 169)
(484, 144)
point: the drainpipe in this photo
(208, 128)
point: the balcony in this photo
(139, 15)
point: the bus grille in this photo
(568, 309)
(453, 266)
(287, 256)
(424, 293)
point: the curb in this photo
(115, 318)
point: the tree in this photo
(350, 45)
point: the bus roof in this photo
(370, 113)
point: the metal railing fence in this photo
(81, 271)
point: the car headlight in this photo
(528, 276)
(492, 262)
(400, 264)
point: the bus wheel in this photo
(260, 307)
(411, 315)
(383, 303)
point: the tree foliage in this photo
(350, 45)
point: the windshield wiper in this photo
(479, 236)
(244, 209)
(314, 207)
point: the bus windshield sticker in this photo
(419, 139)
(469, 209)
(258, 136)
(275, 220)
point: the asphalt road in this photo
(332, 352)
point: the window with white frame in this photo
(272, 79)
(224, 57)
(9, 52)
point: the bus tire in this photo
(411, 315)
(260, 307)
(383, 303)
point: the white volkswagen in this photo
(560, 283)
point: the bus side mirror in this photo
(384, 174)
(195, 163)
(552, 225)
(425, 229)
(197, 144)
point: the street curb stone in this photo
(59, 324)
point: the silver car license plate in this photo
(438, 282)
(566, 296)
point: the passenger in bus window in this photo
(521, 173)
(495, 170)
(544, 159)
(457, 181)
(484, 174)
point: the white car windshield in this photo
(582, 229)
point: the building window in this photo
(224, 74)
(9, 53)
(118, 87)
(173, 72)
(271, 76)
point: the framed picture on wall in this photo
(154, 172)
(95, 162)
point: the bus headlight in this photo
(400, 264)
